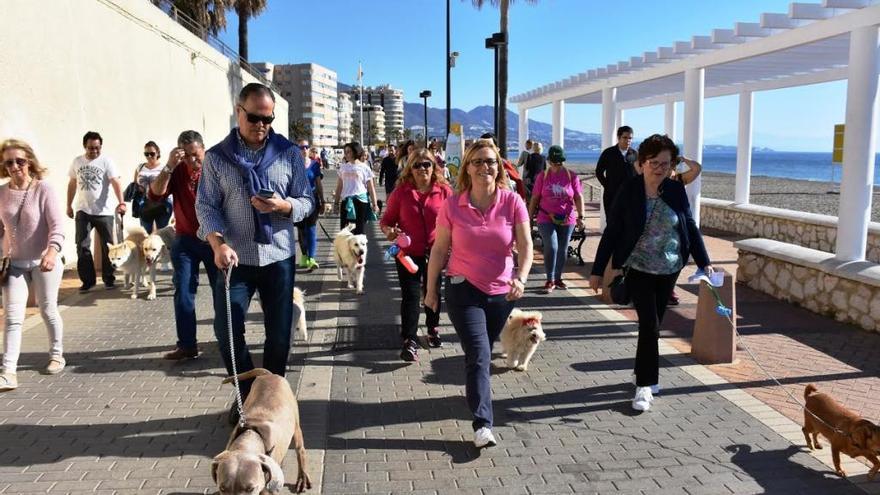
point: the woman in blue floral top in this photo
(651, 234)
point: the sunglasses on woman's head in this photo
(21, 162)
(424, 165)
(254, 118)
(149, 154)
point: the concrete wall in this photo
(119, 67)
(795, 227)
(846, 291)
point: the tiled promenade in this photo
(121, 420)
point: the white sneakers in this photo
(56, 365)
(643, 398)
(484, 438)
(655, 389)
(8, 381)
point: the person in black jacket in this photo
(650, 234)
(388, 170)
(615, 166)
(535, 165)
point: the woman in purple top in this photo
(557, 198)
(32, 234)
(476, 231)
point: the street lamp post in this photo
(425, 95)
(493, 42)
(450, 62)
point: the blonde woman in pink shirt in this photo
(476, 229)
(31, 231)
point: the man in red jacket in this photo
(180, 177)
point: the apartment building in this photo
(310, 89)
(345, 115)
(391, 101)
(374, 123)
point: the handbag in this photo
(135, 195)
(6, 261)
(617, 288)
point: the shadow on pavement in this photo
(776, 471)
(25, 445)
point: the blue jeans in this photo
(186, 254)
(478, 319)
(161, 222)
(275, 284)
(555, 240)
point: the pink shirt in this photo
(482, 243)
(41, 223)
(557, 193)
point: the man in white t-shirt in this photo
(91, 176)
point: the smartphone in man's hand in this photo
(266, 193)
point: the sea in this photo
(813, 166)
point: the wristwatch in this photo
(521, 280)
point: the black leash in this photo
(325, 231)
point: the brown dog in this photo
(252, 460)
(847, 432)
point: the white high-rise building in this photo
(310, 90)
(374, 124)
(391, 101)
(345, 118)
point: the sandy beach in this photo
(800, 195)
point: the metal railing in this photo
(205, 34)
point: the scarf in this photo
(255, 175)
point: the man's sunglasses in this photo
(424, 165)
(254, 118)
(149, 154)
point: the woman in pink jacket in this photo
(412, 210)
(32, 234)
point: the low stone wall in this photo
(848, 292)
(808, 230)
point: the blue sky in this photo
(403, 43)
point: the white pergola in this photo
(812, 43)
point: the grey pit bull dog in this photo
(252, 460)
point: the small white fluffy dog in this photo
(520, 338)
(128, 257)
(156, 248)
(350, 253)
(299, 300)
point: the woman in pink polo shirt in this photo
(476, 229)
(412, 209)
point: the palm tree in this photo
(245, 10)
(209, 15)
(504, 6)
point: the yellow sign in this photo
(837, 152)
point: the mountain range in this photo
(481, 120)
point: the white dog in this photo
(520, 338)
(156, 248)
(129, 257)
(299, 301)
(350, 253)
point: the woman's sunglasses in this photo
(21, 162)
(423, 165)
(149, 154)
(254, 118)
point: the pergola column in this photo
(859, 144)
(618, 119)
(694, 89)
(669, 119)
(609, 108)
(558, 123)
(523, 127)
(744, 148)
